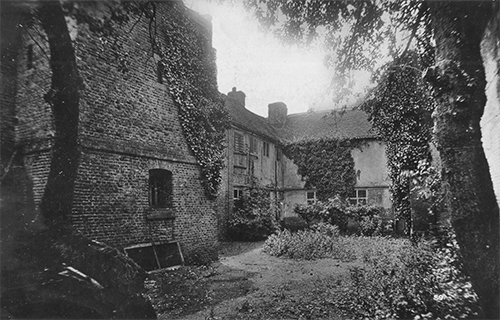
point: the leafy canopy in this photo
(357, 35)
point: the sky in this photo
(262, 67)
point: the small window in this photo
(311, 197)
(160, 188)
(237, 194)
(237, 199)
(358, 197)
(239, 146)
(254, 142)
(265, 149)
(159, 71)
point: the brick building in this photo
(255, 154)
(138, 181)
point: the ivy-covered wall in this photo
(337, 167)
(326, 165)
(135, 117)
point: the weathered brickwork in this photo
(111, 202)
(128, 126)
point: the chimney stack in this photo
(237, 96)
(277, 113)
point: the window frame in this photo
(310, 200)
(254, 145)
(356, 199)
(237, 193)
(265, 148)
(160, 188)
(239, 142)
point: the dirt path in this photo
(254, 285)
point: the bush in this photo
(253, 219)
(322, 241)
(332, 212)
(415, 282)
(367, 218)
(293, 223)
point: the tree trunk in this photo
(459, 88)
(64, 98)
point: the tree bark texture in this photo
(64, 98)
(459, 83)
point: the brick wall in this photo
(490, 122)
(128, 125)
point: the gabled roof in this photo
(338, 124)
(246, 119)
(311, 125)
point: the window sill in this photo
(160, 214)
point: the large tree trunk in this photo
(64, 98)
(459, 82)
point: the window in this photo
(159, 71)
(358, 197)
(237, 194)
(239, 146)
(160, 188)
(253, 145)
(311, 197)
(265, 149)
(237, 199)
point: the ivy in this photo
(325, 164)
(188, 66)
(400, 109)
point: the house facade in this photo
(255, 154)
(138, 181)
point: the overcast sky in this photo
(259, 65)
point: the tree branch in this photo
(39, 46)
(420, 14)
(9, 165)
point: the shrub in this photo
(332, 212)
(337, 212)
(321, 242)
(326, 229)
(413, 282)
(252, 219)
(293, 223)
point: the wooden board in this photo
(169, 255)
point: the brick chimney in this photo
(237, 96)
(277, 113)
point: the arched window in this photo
(160, 188)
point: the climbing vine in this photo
(325, 164)
(187, 62)
(400, 109)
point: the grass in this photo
(396, 279)
(391, 279)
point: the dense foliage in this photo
(367, 219)
(188, 63)
(325, 164)
(321, 241)
(396, 279)
(412, 282)
(400, 109)
(253, 218)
